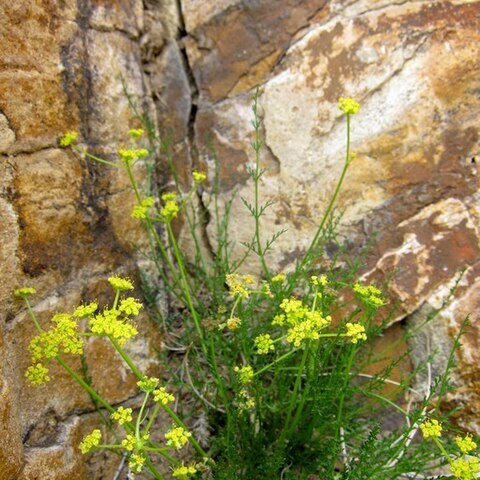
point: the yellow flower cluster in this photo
(466, 444)
(91, 441)
(238, 284)
(183, 472)
(245, 374)
(136, 133)
(465, 468)
(149, 384)
(199, 177)
(122, 415)
(136, 461)
(162, 396)
(233, 323)
(128, 156)
(37, 374)
(356, 332)
(129, 442)
(264, 344)
(348, 105)
(120, 284)
(279, 278)
(369, 295)
(431, 428)
(321, 281)
(140, 211)
(177, 437)
(24, 292)
(68, 139)
(129, 306)
(85, 311)
(111, 324)
(170, 209)
(303, 323)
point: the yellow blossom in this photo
(37, 374)
(356, 332)
(130, 306)
(84, 311)
(110, 323)
(129, 442)
(321, 281)
(279, 278)
(162, 396)
(466, 444)
(135, 133)
(431, 428)
(136, 461)
(177, 437)
(465, 468)
(237, 284)
(149, 384)
(233, 323)
(91, 441)
(183, 472)
(369, 295)
(348, 105)
(264, 344)
(245, 374)
(68, 139)
(122, 415)
(120, 284)
(141, 211)
(199, 177)
(129, 155)
(25, 292)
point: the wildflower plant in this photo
(277, 362)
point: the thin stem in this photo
(33, 316)
(279, 359)
(126, 358)
(85, 385)
(140, 415)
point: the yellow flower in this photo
(84, 311)
(129, 306)
(465, 468)
(135, 133)
(356, 332)
(129, 442)
(162, 396)
(120, 284)
(183, 472)
(122, 415)
(91, 441)
(348, 105)
(141, 211)
(279, 278)
(68, 139)
(177, 437)
(148, 384)
(24, 292)
(199, 177)
(128, 156)
(37, 374)
(466, 445)
(431, 428)
(322, 280)
(245, 374)
(136, 461)
(233, 323)
(369, 295)
(237, 284)
(264, 344)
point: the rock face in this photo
(194, 65)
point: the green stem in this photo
(293, 397)
(306, 257)
(153, 470)
(279, 359)
(140, 415)
(85, 385)
(186, 287)
(33, 316)
(442, 449)
(126, 358)
(93, 157)
(152, 417)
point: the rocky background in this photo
(194, 64)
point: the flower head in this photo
(135, 133)
(279, 278)
(356, 332)
(170, 209)
(177, 437)
(264, 344)
(24, 292)
(183, 472)
(122, 415)
(37, 374)
(84, 311)
(199, 177)
(91, 441)
(141, 211)
(431, 428)
(162, 396)
(130, 306)
(68, 139)
(148, 384)
(136, 461)
(245, 374)
(348, 106)
(120, 284)
(465, 468)
(129, 155)
(466, 444)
